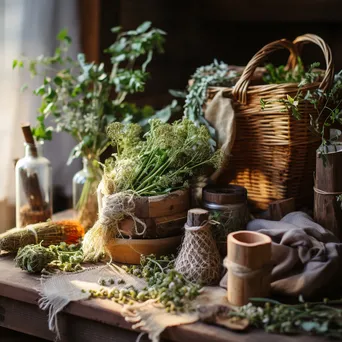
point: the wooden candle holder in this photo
(248, 263)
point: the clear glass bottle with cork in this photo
(33, 176)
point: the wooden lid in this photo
(197, 217)
(229, 194)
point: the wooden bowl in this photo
(128, 251)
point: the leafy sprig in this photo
(164, 284)
(297, 75)
(281, 74)
(319, 318)
(195, 96)
(79, 95)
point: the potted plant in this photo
(82, 98)
(147, 170)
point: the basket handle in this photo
(240, 89)
(312, 38)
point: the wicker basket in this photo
(274, 154)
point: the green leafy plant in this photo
(281, 74)
(195, 96)
(79, 95)
(327, 105)
(162, 160)
(297, 75)
(82, 98)
(36, 258)
(319, 318)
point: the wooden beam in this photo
(90, 28)
(271, 11)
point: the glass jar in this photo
(228, 209)
(33, 175)
(84, 192)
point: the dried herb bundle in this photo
(47, 233)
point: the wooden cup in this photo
(249, 271)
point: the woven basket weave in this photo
(274, 154)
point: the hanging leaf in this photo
(144, 27)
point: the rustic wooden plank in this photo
(168, 205)
(17, 289)
(8, 335)
(278, 209)
(28, 319)
(159, 227)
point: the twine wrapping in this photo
(246, 272)
(116, 207)
(199, 260)
(322, 192)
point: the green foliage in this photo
(160, 161)
(164, 283)
(78, 95)
(36, 258)
(297, 75)
(195, 96)
(327, 105)
(277, 75)
(339, 199)
(309, 318)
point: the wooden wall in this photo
(229, 30)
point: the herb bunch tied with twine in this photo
(162, 160)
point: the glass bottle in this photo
(33, 175)
(84, 195)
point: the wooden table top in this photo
(19, 311)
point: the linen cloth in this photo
(220, 114)
(307, 258)
(57, 291)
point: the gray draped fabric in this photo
(307, 258)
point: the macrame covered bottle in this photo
(199, 260)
